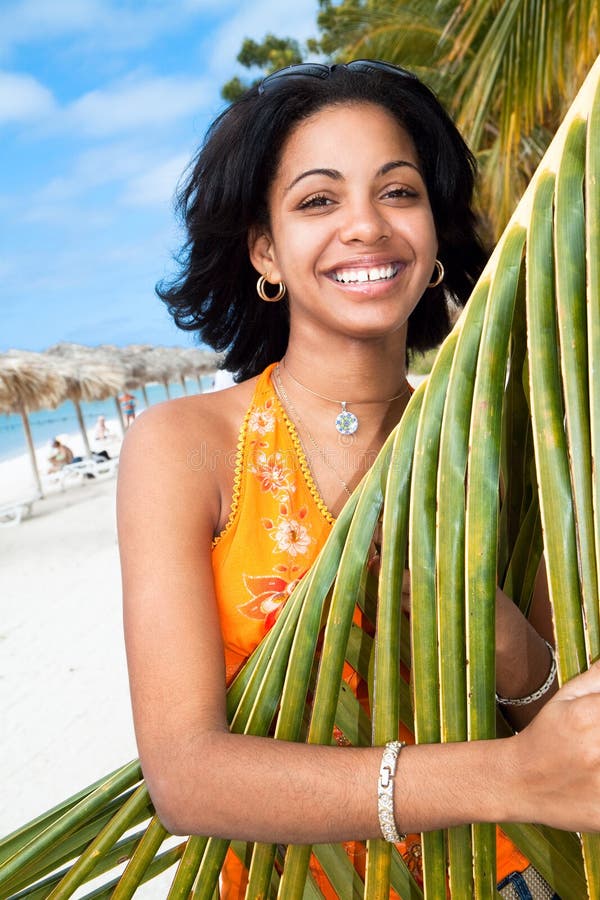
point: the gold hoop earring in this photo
(440, 275)
(260, 290)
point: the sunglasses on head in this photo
(321, 70)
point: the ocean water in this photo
(47, 423)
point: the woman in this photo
(60, 457)
(327, 214)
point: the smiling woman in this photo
(354, 241)
(329, 223)
(220, 212)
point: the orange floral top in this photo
(276, 527)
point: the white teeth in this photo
(376, 273)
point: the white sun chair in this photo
(12, 513)
(77, 472)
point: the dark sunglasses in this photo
(321, 70)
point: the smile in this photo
(358, 276)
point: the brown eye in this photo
(314, 202)
(401, 193)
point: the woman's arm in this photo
(523, 660)
(205, 780)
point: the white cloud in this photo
(123, 172)
(106, 24)
(137, 103)
(157, 185)
(254, 20)
(23, 98)
(98, 166)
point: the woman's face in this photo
(351, 229)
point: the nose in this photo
(364, 222)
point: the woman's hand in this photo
(558, 757)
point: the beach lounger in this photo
(97, 467)
(12, 513)
(78, 472)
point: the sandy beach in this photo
(64, 702)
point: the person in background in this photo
(102, 431)
(61, 456)
(127, 402)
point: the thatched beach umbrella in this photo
(160, 367)
(29, 383)
(134, 375)
(133, 360)
(145, 364)
(180, 363)
(184, 366)
(88, 376)
(202, 362)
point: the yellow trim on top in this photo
(237, 477)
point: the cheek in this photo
(298, 249)
(426, 237)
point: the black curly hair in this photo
(225, 194)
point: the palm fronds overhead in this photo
(506, 69)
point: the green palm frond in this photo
(507, 69)
(520, 64)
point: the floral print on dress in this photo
(262, 420)
(273, 474)
(292, 537)
(289, 527)
(269, 593)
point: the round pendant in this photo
(346, 422)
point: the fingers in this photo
(586, 683)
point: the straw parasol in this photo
(160, 366)
(202, 362)
(88, 376)
(133, 360)
(29, 383)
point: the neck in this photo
(349, 370)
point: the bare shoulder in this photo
(183, 423)
(183, 448)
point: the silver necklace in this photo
(346, 422)
(283, 396)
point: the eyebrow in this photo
(337, 176)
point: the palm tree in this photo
(534, 314)
(506, 69)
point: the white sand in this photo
(64, 703)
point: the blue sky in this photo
(102, 104)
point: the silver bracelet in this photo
(385, 792)
(531, 698)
